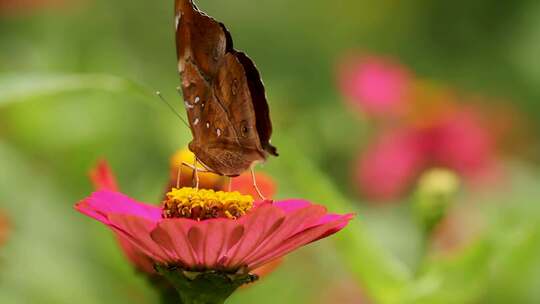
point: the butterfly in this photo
(223, 95)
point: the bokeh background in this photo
(420, 116)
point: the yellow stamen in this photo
(201, 204)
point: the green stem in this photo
(169, 296)
(209, 287)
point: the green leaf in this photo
(20, 87)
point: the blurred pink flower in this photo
(457, 140)
(388, 167)
(376, 85)
(267, 231)
(461, 141)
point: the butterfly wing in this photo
(199, 38)
(215, 140)
(223, 94)
(258, 99)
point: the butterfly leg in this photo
(255, 184)
(178, 177)
(196, 172)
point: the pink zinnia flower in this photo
(242, 184)
(375, 85)
(268, 231)
(103, 178)
(201, 231)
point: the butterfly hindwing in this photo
(223, 94)
(233, 93)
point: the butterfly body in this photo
(223, 95)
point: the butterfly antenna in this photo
(158, 93)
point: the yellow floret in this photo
(201, 204)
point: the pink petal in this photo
(221, 235)
(259, 225)
(137, 231)
(102, 203)
(198, 245)
(301, 239)
(295, 222)
(334, 217)
(102, 177)
(172, 236)
(329, 218)
(195, 237)
(292, 205)
(140, 260)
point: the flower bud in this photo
(433, 196)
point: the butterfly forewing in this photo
(198, 37)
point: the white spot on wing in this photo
(207, 125)
(218, 132)
(177, 20)
(196, 99)
(180, 67)
(196, 121)
(188, 106)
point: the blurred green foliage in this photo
(77, 83)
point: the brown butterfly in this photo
(223, 94)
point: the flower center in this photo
(202, 204)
